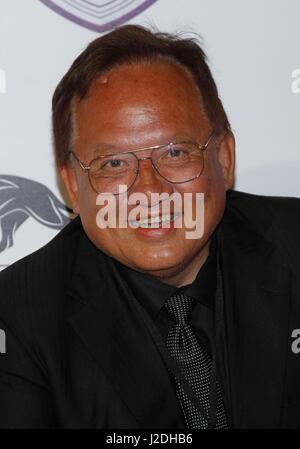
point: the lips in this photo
(154, 221)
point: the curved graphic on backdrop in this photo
(98, 15)
(21, 198)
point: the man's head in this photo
(133, 89)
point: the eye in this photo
(175, 152)
(109, 166)
(113, 163)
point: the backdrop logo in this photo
(98, 15)
(21, 198)
(295, 86)
(2, 81)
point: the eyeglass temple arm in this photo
(204, 147)
(82, 164)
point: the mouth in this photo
(154, 222)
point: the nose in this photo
(149, 180)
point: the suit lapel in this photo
(110, 326)
(256, 306)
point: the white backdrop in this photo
(253, 48)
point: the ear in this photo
(226, 157)
(68, 175)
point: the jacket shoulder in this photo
(266, 210)
(36, 282)
(275, 218)
(54, 249)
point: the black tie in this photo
(195, 366)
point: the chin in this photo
(156, 265)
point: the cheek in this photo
(212, 186)
(87, 202)
(214, 201)
(212, 182)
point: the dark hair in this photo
(124, 45)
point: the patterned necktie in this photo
(195, 365)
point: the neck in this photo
(186, 274)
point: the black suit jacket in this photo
(80, 352)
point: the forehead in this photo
(150, 99)
(143, 82)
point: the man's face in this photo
(138, 106)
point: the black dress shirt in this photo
(153, 293)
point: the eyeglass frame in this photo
(201, 147)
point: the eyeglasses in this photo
(177, 162)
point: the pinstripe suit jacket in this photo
(78, 353)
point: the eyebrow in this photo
(105, 148)
(102, 148)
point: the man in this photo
(137, 325)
